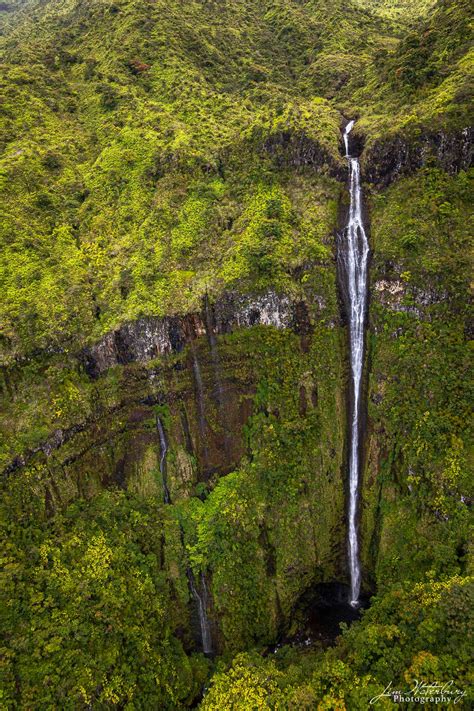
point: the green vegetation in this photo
(420, 388)
(402, 638)
(426, 83)
(158, 156)
(89, 613)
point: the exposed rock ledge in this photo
(391, 158)
(296, 150)
(397, 296)
(148, 338)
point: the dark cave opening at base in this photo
(318, 615)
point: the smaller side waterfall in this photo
(202, 599)
(200, 405)
(164, 453)
(355, 261)
(201, 596)
(214, 352)
(216, 364)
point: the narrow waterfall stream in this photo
(201, 596)
(164, 452)
(355, 255)
(216, 365)
(200, 406)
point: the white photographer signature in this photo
(435, 691)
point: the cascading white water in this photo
(355, 255)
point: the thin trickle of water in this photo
(211, 336)
(200, 405)
(164, 453)
(202, 603)
(216, 364)
(202, 596)
(355, 255)
(200, 394)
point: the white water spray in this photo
(356, 254)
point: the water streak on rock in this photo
(202, 598)
(164, 452)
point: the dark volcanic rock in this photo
(391, 158)
(148, 338)
(396, 295)
(298, 150)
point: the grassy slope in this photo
(125, 149)
(426, 83)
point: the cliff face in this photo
(251, 384)
(417, 428)
(146, 339)
(389, 159)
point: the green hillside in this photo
(175, 359)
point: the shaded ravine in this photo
(200, 595)
(354, 254)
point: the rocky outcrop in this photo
(390, 158)
(296, 150)
(396, 295)
(209, 397)
(148, 338)
(58, 438)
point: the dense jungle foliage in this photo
(181, 163)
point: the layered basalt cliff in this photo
(393, 157)
(149, 338)
(186, 366)
(230, 385)
(296, 150)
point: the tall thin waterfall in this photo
(164, 452)
(200, 595)
(200, 406)
(219, 390)
(355, 257)
(202, 602)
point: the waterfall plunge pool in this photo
(318, 614)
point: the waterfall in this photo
(202, 596)
(219, 390)
(347, 131)
(214, 353)
(355, 261)
(202, 603)
(200, 405)
(164, 452)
